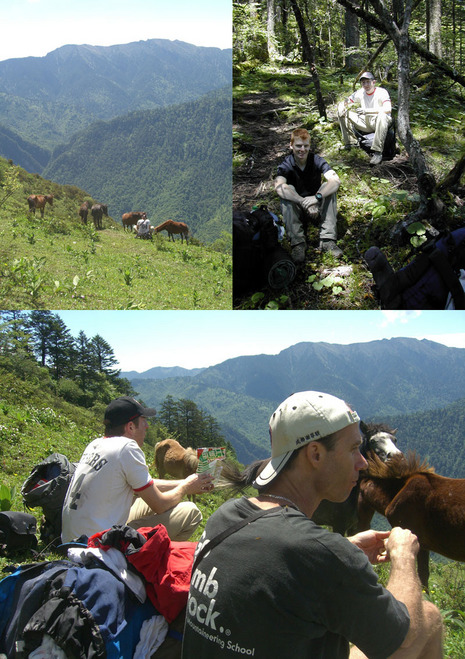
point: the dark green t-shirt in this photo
(284, 587)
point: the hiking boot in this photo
(330, 246)
(377, 158)
(298, 253)
(384, 277)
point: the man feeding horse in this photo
(268, 582)
(112, 471)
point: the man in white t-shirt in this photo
(369, 111)
(112, 473)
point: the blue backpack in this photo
(427, 281)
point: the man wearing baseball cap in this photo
(274, 584)
(112, 472)
(369, 111)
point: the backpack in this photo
(46, 486)
(365, 141)
(427, 281)
(17, 531)
(259, 259)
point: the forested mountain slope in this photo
(47, 99)
(173, 163)
(380, 379)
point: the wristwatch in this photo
(319, 198)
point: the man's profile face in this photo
(368, 85)
(300, 149)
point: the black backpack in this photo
(427, 281)
(46, 486)
(17, 531)
(365, 141)
(258, 257)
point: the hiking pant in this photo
(365, 123)
(294, 217)
(180, 521)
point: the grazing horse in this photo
(97, 211)
(343, 517)
(173, 228)
(84, 210)
(411, 495)
(129, 220)
(173, 459)
(38, 201)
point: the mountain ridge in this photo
(381, 379)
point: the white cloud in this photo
(402, 317)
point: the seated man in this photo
(303, 197)
(143, 227)
(368, 110)
(112, 472)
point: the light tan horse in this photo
(38, 201)
(173, 459)
(173, 228)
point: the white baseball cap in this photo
(302, 418)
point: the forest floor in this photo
(268, 103)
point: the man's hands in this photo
(198, 483)
(310, 206)
(382, 546)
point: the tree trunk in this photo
(434, 27)
(352, 41)
(308, 57)
(270, 28)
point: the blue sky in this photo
(36, 27)
(194, 339)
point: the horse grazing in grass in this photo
(173, 228)
(38, 201)
(129, 220)
(343, 517)
(84, 211)
(409, 494)
(98, 211)
(173, 459)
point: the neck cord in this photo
(276, 496)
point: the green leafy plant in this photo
(332, 282)
(418, 232)
(7, 495)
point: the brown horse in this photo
(128, 220)
(409, 494)
(84, 211)
(173, 459)
(343, 517)
(173, 228)
(38, 201)
(98, 211)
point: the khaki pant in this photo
(365, 123)
(180, 521)
(294, 216)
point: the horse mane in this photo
(399, 466)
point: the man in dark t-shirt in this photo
(304, 197)
(269, 583)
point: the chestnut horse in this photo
(172, 228)
(343, 517)
(38, 201)
(128, 220)
(409, 494)
(173, 459)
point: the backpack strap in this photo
(446, 271)
(229, 531)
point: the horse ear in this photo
(393, 432)
(363, 426)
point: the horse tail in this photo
(236, 480)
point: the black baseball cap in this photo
(125, 409)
